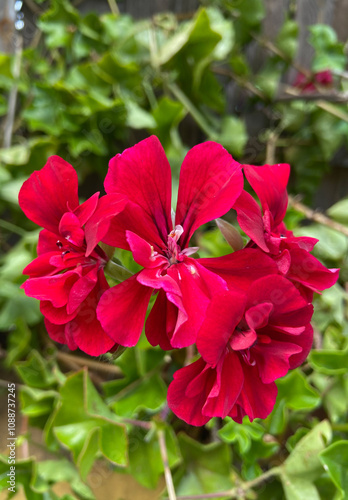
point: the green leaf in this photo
(287, 40)
(339, 211)
(303, 466)
(137, 117)
(148, 393)
(206, 468)
(233, 135)
(196, 39)
(84, 424)
(329, 362)
(335, 460)
(304, 461)
(145, 462)
(297, 392)
(36, 371)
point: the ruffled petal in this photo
(223, 315)
(142, 174)
(185, 407)
(54, 289)
(256, 399)
(84, 211)
(143, 252)
(210, 182)
(272, 359)
(122, 309)
(161, 322)
(49, 193)
(57, 333)
(308, 271)
(227, 387)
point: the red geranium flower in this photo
(308, 84)
(68, 276)
(247, 341)
(267, 230)
(210, 182)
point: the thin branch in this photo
(138, 423)
(167, 472)
(317, 216)
(241, 81)
(89, 363)
(114, 7)
(9, 121)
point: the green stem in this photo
(191, 108)
(114, 7)
(12, 227)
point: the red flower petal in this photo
(84, 211)
(143, 252)
(186, 408)
(49, 193)
(142, 174)
(57, 333)
(161, 322)
(250, 219)
(240, 269)
(308, 271)
(272, 360)
(70, 229)
(223, 315)
(269, 183)
(121, 311)
(100, 221)
(210, 182)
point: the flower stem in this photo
(167, 472)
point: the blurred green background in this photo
(86, 79)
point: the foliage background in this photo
(86, 86)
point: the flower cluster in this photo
(248, 313)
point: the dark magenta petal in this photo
(58, 334)
(49, 193)
(250, 219)
(122, 309)
(227, 387)
(210, 182)
(186, 408)
(223, 315)
(85, 329)
(256, 399)
(305, 341)
(161, 322)
(308, 271)
(143, 253)
(198, 286)
(241, 340)
(269, 183)
(99, 222)
(41, 266)
(84, 211)
(81, 289)
(142, 174)
(240, 269)
(70, 229)
(54, 289)
(47, 242)
(272, 359)
(154, 278)
(56, 315)
(258, 316)
(290, 308)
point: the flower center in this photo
(174, 252)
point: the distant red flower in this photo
(67, 276)
(210, 182)
(308, 83)
(267, 230)
(247, 341)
